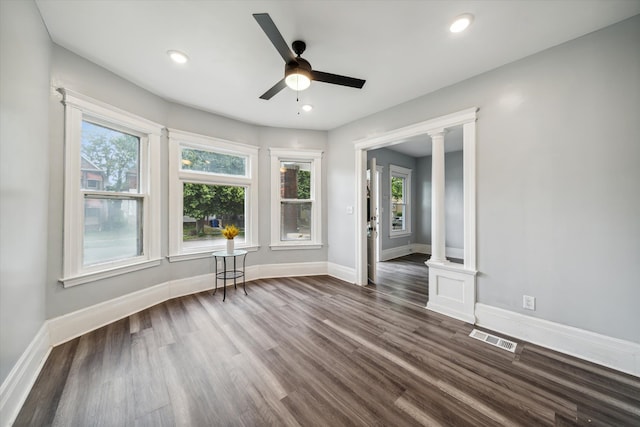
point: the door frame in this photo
(467, 118)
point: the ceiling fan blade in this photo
(275, 89)
(272, 32)
(337, 80)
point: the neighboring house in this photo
(92, 178)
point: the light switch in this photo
(349, 210)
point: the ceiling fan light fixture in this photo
(297, 78)
(461, 23)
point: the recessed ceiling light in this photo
(177, 57)
(307, 107)
(461, 23)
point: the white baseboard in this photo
(265, 271)
(341, 272)
(420, 248)
(16, 387)
(607, 351)
(396, 252)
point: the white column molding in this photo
(437, 197)
(469, 183)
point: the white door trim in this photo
(443, 303)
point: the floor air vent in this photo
(494, 340)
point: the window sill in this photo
(206, 254)
(294, 246)
(69, 282)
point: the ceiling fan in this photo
(297, 70)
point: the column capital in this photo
(437, 133)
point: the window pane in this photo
(397, 223)
(295, 223)
(295, 180)
(112, 230)
(208, 161)
(207, 209)
(398, 205)
(109, 159)
(397, 189)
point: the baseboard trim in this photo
(341, 272)
(16, 387)
(396, 252)
(611, 352)
(266, 271)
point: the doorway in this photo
(455, 296)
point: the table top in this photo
(224, 253)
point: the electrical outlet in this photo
(528, 302)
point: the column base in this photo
(452, 290)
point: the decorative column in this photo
(437, 198)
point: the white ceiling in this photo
(402, 48)
(420, 145)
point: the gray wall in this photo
(24, 167)
(386, 158)
(423, 200)
(73, 72)
(557, 179)
(454, 201)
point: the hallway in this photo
(405, 277)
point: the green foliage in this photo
(202, 201)
(198, 200)
(397, 188)
(304, 184)
(207, 161)
(115, 153)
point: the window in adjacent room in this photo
(296, 208)
(400, 190)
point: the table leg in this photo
(244, 276)
(215, 280)
(224, 284)
(234, 273)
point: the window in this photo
(213, 184)
(111, 183)
(400, 190)
(296, 210)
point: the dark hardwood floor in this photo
(405, 277)
(314, 351)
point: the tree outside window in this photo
(213, 183)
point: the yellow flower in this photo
(230, 231)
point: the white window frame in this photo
(299, 155)
(400, 172)
(77, 109)
(177, 177)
